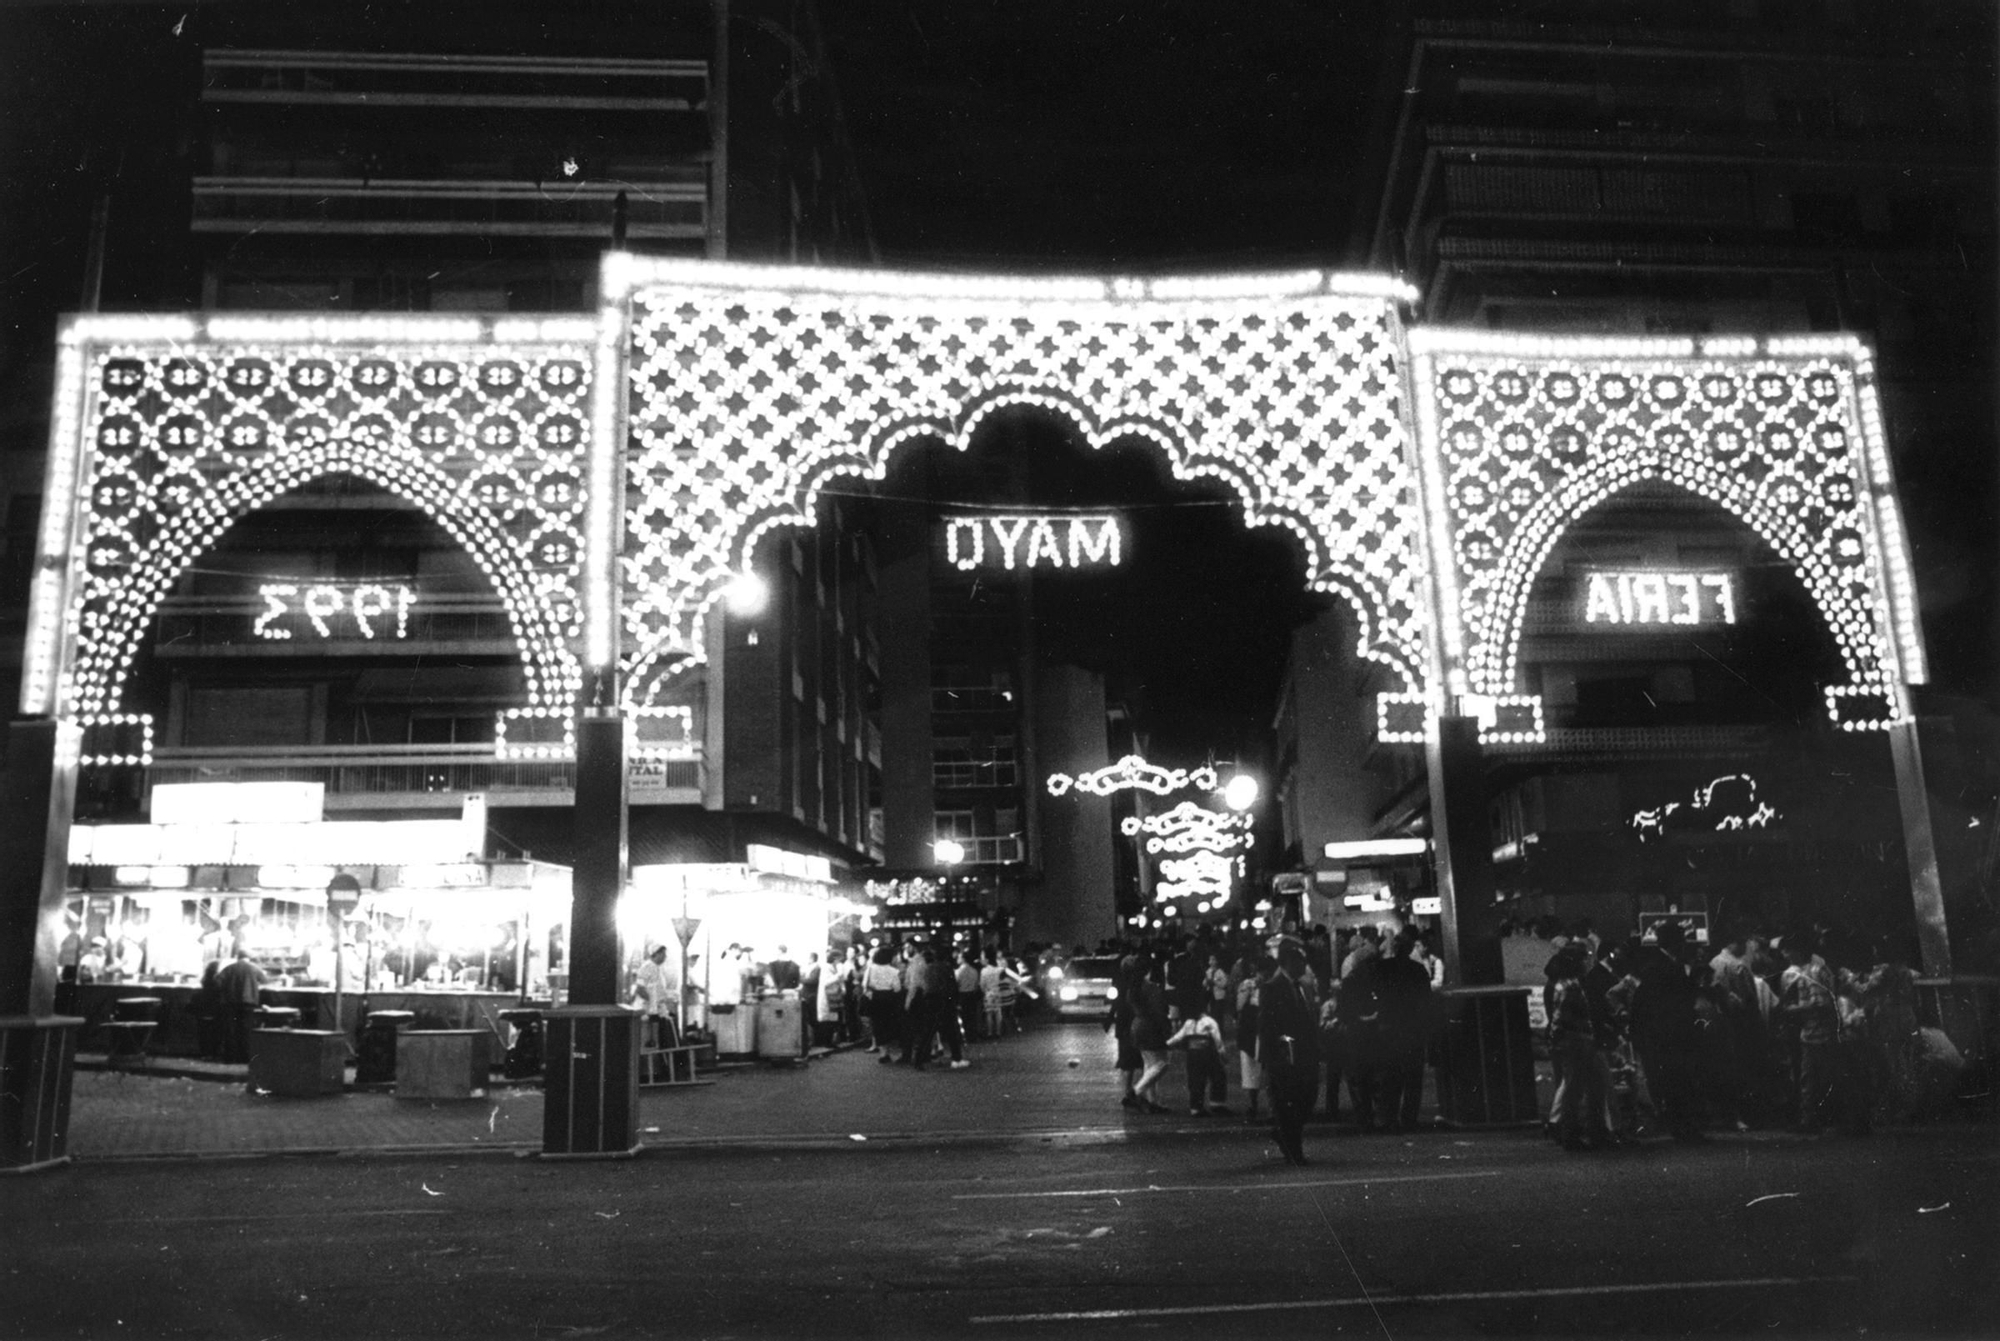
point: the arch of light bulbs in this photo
(169, 429)
(755, 388)
(1523, 435)
(750, 389)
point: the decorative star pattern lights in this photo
(1522, 436)
(754, 388)
(1189, 827)
(485, 428)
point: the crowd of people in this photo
(1808, 1030)
(1303, 1014)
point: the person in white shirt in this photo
(1208, 1082)
(833, 977)
(653, 993)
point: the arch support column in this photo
(1462, 848)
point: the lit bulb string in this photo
(747, 404)
(163, 424)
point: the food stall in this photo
(420, 924)
(772, 899)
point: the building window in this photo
(971, 688)
(957, 762)
(987, 841)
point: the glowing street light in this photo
(948, 851)
(747, 595)
(1240, 792)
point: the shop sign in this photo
(1032, 540)
(1659, 598)
(646, 781)
(1427, 907)
(333, 611)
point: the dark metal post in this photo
(1462, 841)
(598, 871)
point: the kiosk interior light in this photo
(1363, 849)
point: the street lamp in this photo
(1240, 792)
(948, 851)
(747, 594)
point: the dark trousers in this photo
(1670, 1076)
(1292, 1089)
(972, 1013)
(236, 1021)
(1819, 1065)
(1399, 1089)
(937, 1019)
(1206, 1080)
(1338, 1057)
(885, 1019)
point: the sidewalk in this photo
(1021, 1086)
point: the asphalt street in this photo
(1197, 1232)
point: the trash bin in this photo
(298, 1063)
(590, 1083)
(376, 1064)
(735, 1029)
(524, 1049)
(781, 1034)
(1485, 1057)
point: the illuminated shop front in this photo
(773, 902)
(251, 867)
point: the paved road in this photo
(1196, 1233)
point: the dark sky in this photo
(1085, 135)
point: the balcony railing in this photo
(1661, 742)
(243, 204)
(416, 777)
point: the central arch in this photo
(751, 390)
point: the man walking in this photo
(1403, 989)
(1288, 1046)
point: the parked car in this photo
(1083, 988)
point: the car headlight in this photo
(1069, 994)
(1111, 993)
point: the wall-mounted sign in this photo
(1031, 540)
(1659, 597)
(334, 610)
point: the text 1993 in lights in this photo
(334, 610)
(1660, 597)
(1031, 540)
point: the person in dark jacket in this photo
(1663, 1030)
(1403, 989)
(1577, 1113)
(1288, 1045)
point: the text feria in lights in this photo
(1027, 540)
(1519, 436)
(330, 610)
(1133, 773)
(1659, 597)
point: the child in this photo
(1202, 1037)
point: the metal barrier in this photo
(1484, 1053)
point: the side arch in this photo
(551, 669)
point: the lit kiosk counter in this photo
(772, 899)
(454, 942)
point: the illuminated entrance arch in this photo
(168, 430)
(752, 389)
(1521, 436)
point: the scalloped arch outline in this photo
(1552, 516)
(645, 672)
(552, 670)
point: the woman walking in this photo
(883, 985)
(1149, 1035)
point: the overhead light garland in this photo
(1132, 773)
(1189, 827)
(1747, 813)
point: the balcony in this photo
(419, 777)
(655, 210)
(1615, 744)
